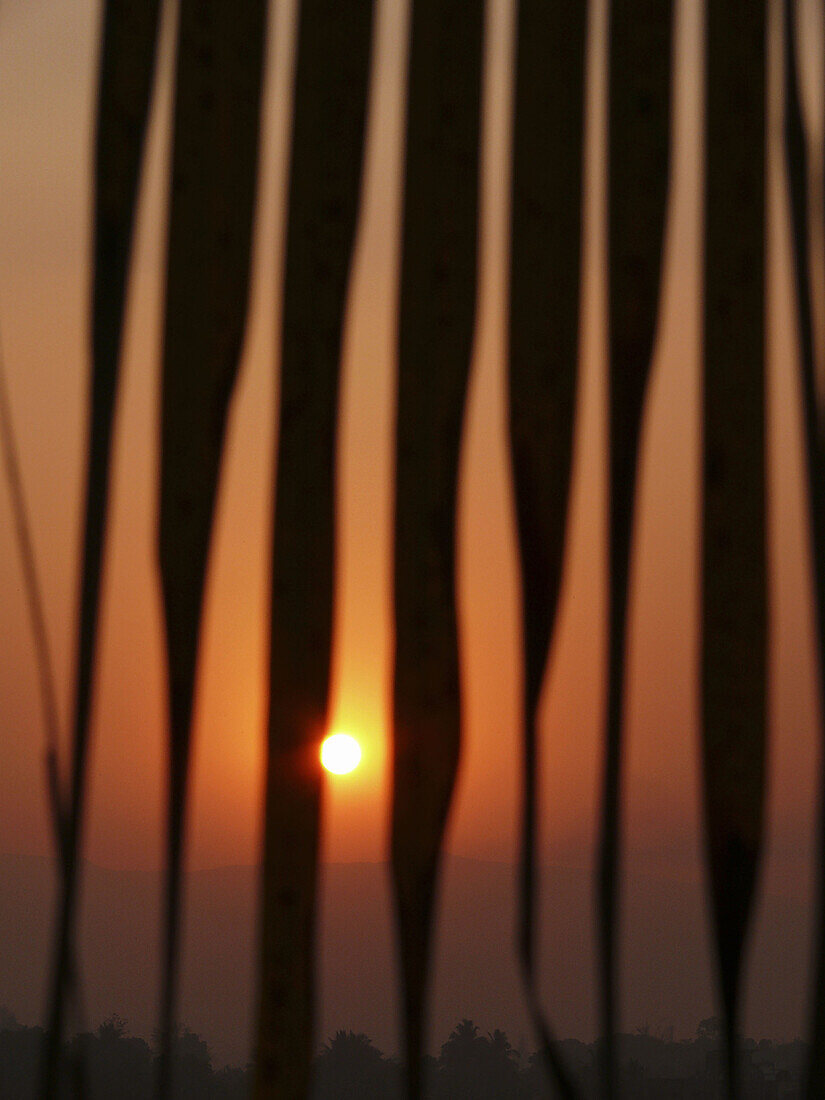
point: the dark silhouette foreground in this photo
(470, 1066)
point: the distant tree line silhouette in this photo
(471, 1065)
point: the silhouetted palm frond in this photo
(214, 172)
(334, 45)
(545, 279)
(436, 326)
(638, 184)
(125, 82)
(734, 600)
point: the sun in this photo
(340, 753)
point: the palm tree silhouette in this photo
(464, 1037)
(501, 1044)
(349, 1066)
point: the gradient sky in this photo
(47, 51)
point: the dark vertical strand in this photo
(734, 602)
(214, 174)
(436, 323)
(796, 152)
(45, 670)
(545, 276)
(331, 85)
(639, 168)
(37, 617)
(127, 65)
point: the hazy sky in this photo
(47, 52)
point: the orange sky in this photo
(46, 66)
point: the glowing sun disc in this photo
(340, 753)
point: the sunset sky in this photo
(47, 52)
